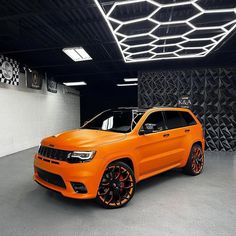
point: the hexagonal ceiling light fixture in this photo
(148, 30)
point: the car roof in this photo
(132, 109)
(168, 109)
(153, 109)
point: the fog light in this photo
(79, 187)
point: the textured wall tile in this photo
(213, 96)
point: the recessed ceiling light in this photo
(75, 83)
(131, 79)
(165, 35)
(77, 54)
(126, 85)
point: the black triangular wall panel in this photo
(213, 96)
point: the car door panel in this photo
(152, 149)
(162, 149)
(176, 148)
(179, 131)
(155, 149)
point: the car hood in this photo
(82, 138)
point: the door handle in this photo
(187, 130)
(166, 135)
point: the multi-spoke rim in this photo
(197, 160)
(116, 187)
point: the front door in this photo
(154, 148)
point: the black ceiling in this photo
(34, 33)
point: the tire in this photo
(195, 161)
(117, 186)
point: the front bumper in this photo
(89, 174)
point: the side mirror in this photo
(147, 129)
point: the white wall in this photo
(28, 115)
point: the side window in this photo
(156, 121)
(188, 118)
(174, 120)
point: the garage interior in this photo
(168, 49)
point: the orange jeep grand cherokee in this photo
(118, 148)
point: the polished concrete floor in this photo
(168, 204)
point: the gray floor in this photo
(168, 204)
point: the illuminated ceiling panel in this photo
(148, 30)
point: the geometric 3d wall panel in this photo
(213, 97)
(147, 30)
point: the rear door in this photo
(177, 131)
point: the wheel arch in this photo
(188, 165)
(122, 161)
(199, 143)
(127, 160)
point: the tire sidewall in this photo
(122, 164)
(188, 168)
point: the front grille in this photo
(52, 153)
(51, 178)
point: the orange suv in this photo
(118, 148)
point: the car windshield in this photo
(122, 121)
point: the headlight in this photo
(81, 156)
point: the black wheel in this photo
(195, 162)
(117, 186)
